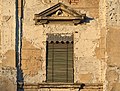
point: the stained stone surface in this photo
(96, 44)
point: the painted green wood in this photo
(60, 62)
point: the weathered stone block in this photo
(31, 67)
(31, 54)
(9, 59)
(86, 78)
(27, 44)
(116, 87)
(6, 84)
(113, 46)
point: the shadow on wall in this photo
(18, 47)
(81, 87)
(87, 20)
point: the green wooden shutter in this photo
(70, 62)
(50, 58)
(59, 62)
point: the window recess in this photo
(59, 57)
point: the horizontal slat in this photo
(50, 53)
(60, 55)
(50, 45)
(60, 67)
(64, 74)
(60, 76)
(59, 80)
(60, 60)
(60, 46)
(50, 59)
(58, 70)
(60, 50)
(60, 64)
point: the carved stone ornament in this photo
(58, 12)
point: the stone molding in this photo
(55, 12)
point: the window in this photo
(59, 57)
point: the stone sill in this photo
(63, 85)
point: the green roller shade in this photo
(59, 62)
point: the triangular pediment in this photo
(58, 12)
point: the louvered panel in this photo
(70, 56)
(50, 45)
(60, 77)
(70, 66)
(60, 55)
(61, 73)
(60, 63)
(60, 50)
(60, 45)
(70, 78)
(50, 50)
(50, 58)
(70, 74)
(60, 69)
(70, 45)
(50, 55)
(70, 63)
(49, 75)
(49, 63)
(70, 50)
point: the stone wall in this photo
(96, 44)
(88, 65)
(112, 45)
(113, 71)
(113, 12)
(7, 46)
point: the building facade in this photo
(59, 45)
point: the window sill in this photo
(71, 85)
(64, 85)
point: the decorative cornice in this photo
(55, 13)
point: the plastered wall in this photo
(96, 43)
(88, 65)
(7, 46)
(112, 44)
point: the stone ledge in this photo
(64, 85)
